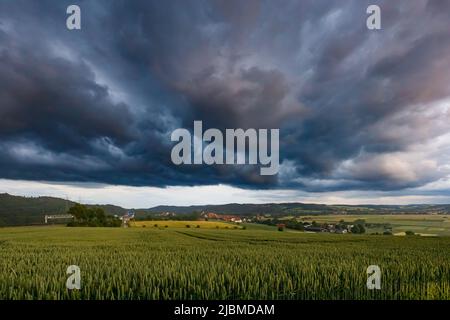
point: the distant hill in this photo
(298, 209)
(239, 209)
(16, 210)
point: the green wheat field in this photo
(189, 263)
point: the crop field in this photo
(190, 263)
(184, 224)
(425, 224)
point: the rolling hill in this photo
(17, 210)
(283, 209)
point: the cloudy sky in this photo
(364, 115)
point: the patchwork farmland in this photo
(191, 263)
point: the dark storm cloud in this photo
(356, 108)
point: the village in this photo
(281, 223)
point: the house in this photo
(212, 215)
(229, 218)
(129, 215)
(167, 214)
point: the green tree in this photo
(358, 229)
(91, 217)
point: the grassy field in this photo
(182, 263)
(425, 224)
(185, 224)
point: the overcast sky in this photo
(363, 114)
